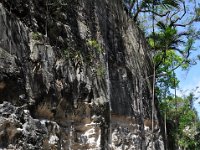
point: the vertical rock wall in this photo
(75, 73)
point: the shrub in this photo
(44, 112)
(36, 36)
(95, 45)
(100, 70)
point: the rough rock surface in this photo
(20, 131)
(74, 74)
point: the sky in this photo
(190, 80)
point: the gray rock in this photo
(74, 81)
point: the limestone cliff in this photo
(74, 74)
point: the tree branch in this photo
(160, 15)
(184, 13)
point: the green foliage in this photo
(95, 46)
(198, 12)
(169, 16)
(100, 70)
(168, 57)
(93, 57)
(72, 55)
(36, 36)
(185, 119)
(171, 44)
(177, 110)
(170, 4)
(94, 51)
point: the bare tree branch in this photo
(139, 8)
(160, 15)
(184, 13)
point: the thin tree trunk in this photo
(153, 106)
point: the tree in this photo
(173, 23)
(171, 39)
(187, 132)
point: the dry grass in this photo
(47, 146)
(44, 112)
(122, 119)
(148, 123)
(2, 85)
(9, 133)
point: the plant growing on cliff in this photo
(36, 36)
(95, 50)
(43, 111)
(100, 70)
(72, 54)
(95, 46)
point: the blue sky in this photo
(190, 79)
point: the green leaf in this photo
(171, 4)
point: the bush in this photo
(44, 112)
(36, 36)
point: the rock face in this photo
(74, 74)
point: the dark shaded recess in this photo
(171, 127)
(40, 14)
(4, 142)
(90, 17)
(74, 86)
(67, 93)
(72, 22)
(130, 89)
(105, 126)
(13, 89)
(21, 9)
(120, 104)
(112, 37)
(39, 87)
(83, 91)
(161, 124)
(90, 96)
(52, 96)
(57, 30)
(17, 7)
(54, 32)
(147, 101)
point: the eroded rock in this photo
(73, 81)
